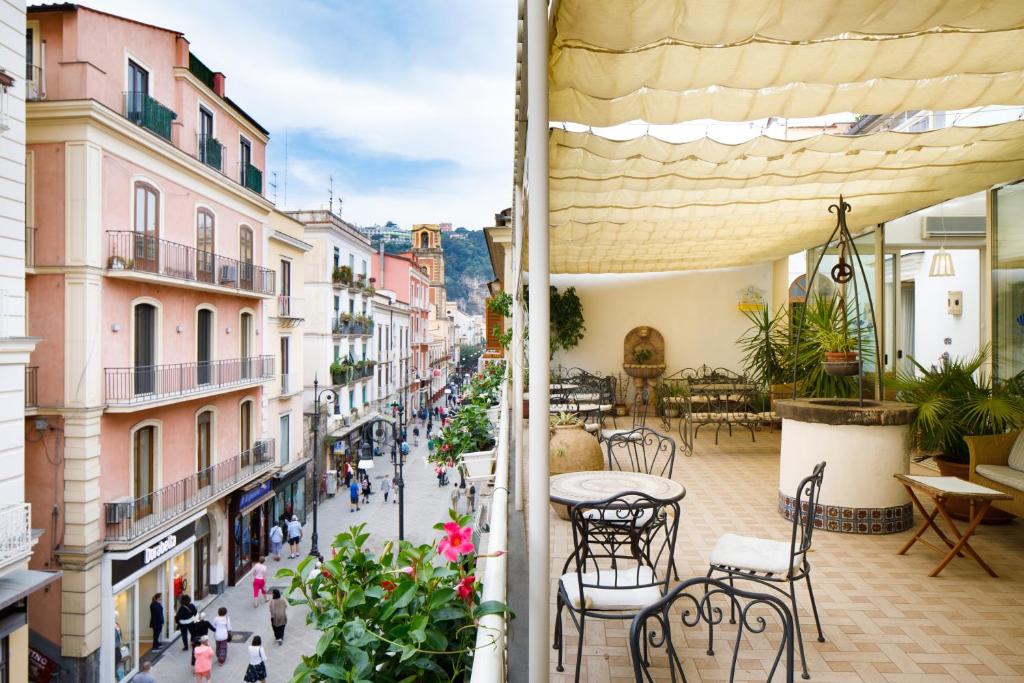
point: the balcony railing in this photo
(342, 326)
(252, 178)
(141, 253)
(15, 532)
(352, 375)
(35, 82)
(31, 387)
(143, 110)
(30, 247)
(289, 307)
(147, 384)
(130, 519)
(210, 151)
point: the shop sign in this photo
(40, 667)
(252, 495)
(160, 548)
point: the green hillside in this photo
(467, 268)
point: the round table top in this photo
(588, 487)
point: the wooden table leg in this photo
(929, 521)
(962, 543)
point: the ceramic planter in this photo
(841, 364)
(479, 464)
(573, 449)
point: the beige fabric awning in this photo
(666, 61)
(645, 205)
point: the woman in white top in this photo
(257, 671)
(221, 634)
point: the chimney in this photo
(218, 83)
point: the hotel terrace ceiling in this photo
(645, 205)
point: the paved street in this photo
(425, 505)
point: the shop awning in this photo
(666, 61)
(20, 583)
(646, 205)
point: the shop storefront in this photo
(165, 566)
(203, 556)
(290, 498)
(251, 513)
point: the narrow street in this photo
(425, 505)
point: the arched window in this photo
(145, 348)
(143, 465)
(204, 246)
(245, 257)
(204, 345)
(245, 344)
(147, 227)
(245, 427)
(204, 446)
(424, 243)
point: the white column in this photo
(537, 173)
(515, 356)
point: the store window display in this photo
(124, 633)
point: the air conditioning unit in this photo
(119, 510)
(228, 274)
(953, 226)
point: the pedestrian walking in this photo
(385, 488)
(471, 497)
(455, 498)
(222, 634)
(394, 485)
(256, 672)
(294, 536)
(278, 615)
(276, 541)
(184, 617)
(366, 490)
(353, 497)
(348, 475)
(156, 619)
(144, 676)
(203, 657)
(259, 581)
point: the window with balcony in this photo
(204, 444)
(245, 256)
(146, 255)
(285, 364)
(209, 150)
(251, 177)
(143, 464)
(245, 427)
(145, 348)
(286, 439)
(337, 258)
(204, 346)
(140, 108)
(204, 246)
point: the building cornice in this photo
(39, 115)
(294, 242)
(182, 73)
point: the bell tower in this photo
(427, 252)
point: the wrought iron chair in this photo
(693, 604)
(623, 548)
(641, 450)
(771, 562)
(641, 399)
(673, 395)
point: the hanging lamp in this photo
(942, 264)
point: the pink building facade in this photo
(402, 275)
(145, 192)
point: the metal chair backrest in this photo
(624, 542)
(641, 450)
(805, 511)
(641, 399)
(705, 601)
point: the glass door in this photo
(204, 246)
(245, 256)
(204, 346)
(143, 461)
(145, 349)
(147, 229)
(203, 446)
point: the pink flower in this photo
(465, 588)
(409, 570)
(458, 542)
(446, 447)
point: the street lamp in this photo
(331, 396)
(399, 451)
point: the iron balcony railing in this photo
(30, 246)
(35, 82)
(31, 387)
(142, 253)
(252, 178)
(130, 519)
(354, 374)
(143, 110)
(15, 532)
(289, 307)
(342, 326)
(210, 151)
(146, 384)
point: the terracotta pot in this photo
(621, 410)
(960, 509)
(573, 449)
(841, 364)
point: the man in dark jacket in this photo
(156, 618)
(200, 627)
(184, 617)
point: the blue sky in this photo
(408, 104)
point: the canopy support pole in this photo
(517, 352)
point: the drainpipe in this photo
(537, 172)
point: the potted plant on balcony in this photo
(342, 275)
(954, 401)
(339, 371)
(120, 263)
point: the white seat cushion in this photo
(613, 599)
(609, 433)
(592, 427)
(757, 554)
(1016, 460)
(1003, 474)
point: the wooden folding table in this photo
(942, 489)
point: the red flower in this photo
(388, 585)
(325, 572)
(465, 588)
(446, 447)
(458, 542)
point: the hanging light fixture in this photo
(942, 264)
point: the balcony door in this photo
(286, 289)
(137, 94)
(245, 433)
(204, 346)
(245, 252)
(145, 349)
(209, 150)
(204, 423)
(204, 246)
(245, 349)
(147, 228)
(143, 462)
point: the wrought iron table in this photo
(941, 489)
(588, 487)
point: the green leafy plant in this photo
(567, 325)
(767, 355)
(342, 274)
(564, 420)
(956, 400)
(665, 390)
(410, 613)
(468, 430)
(641, 356)
(501, 304)
(827, 325)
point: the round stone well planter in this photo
(863, 446)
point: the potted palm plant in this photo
(826, 360)
(955, 400)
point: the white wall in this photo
(932, 322)
(696, 314)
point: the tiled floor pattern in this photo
(885, 620)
